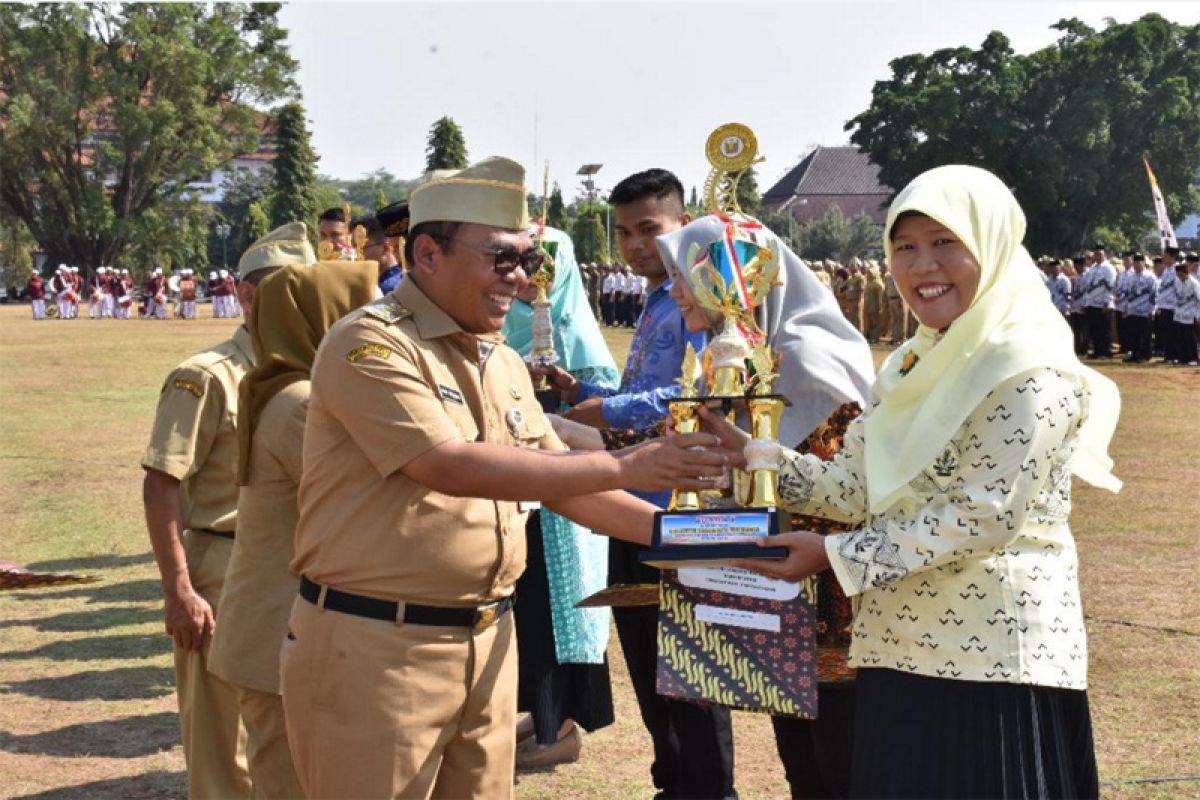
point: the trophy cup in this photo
(542, 354)
(731, 278)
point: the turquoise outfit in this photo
(576, 558)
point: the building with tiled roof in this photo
(827, 177)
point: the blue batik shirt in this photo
(655, 358)
(391, 279)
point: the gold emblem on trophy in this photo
(731, 278)
(542, 353)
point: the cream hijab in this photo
(1010, 327)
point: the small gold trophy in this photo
(326, 251)
(542, 353)
(730, 277)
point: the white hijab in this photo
(823, 361)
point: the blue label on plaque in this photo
(715, 527)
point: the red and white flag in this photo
(1166, 233)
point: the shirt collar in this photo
(431, 321)
(242, 341)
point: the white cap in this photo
(224, 273)
(124, 272)
(212, 275)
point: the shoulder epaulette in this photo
(387, 310)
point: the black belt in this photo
(211, 532)
(479, 618)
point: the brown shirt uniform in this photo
(390, 382)
(195, 432)
(195, 441)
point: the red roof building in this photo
(827, 177)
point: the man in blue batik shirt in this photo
(693, 744)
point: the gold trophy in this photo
(731, 277)
(358, 240)
(542, 353)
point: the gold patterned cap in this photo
(491, 192)
(287, 244)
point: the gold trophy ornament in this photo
(731, 278)
(326, 251)
(542, 353)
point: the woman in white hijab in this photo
(969, 634)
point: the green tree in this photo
(446, 148)
(111, 110)
(16, 251)
(589, 234)
(258, 224)
(293, 191)
(1065, 127)
(239, 191)
(838, 237)
(748, 197)
(556, 213)
(365, 192)
(381, 199)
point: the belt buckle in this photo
(486, 616)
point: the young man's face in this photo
(638, 224)
(333, 231)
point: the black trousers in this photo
(693, 743)
(1079, 327)
(1164, 333)
(1185, 342)
(1122, 321)
(609, 308)
(1137, 333)
(1100, 331)
(816, 752)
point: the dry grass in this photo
(86, 704)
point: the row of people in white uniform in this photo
(1156, 309)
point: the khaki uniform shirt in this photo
(195, 432)
(390, 382)
(259, 586)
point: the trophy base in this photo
(549, 399)
(711, 537)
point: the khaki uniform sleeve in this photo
(370, 383)
(287, 442)
(186, 421)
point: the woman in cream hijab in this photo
(969, 636)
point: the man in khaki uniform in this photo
(853, 292)
(190, 496)
(258, 588)
(895, 305)
(874, 305)
(423, 447)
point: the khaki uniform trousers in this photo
(896, 315)
(378, 709)
(214, 741)
(267, 750)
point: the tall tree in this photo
(239, 191)
(1065, 127)
(293, 190)
(556, 214)
(589, 235)
(838, 237)
(446, 148)
(258, 224)
(111, 110)
(747, 193)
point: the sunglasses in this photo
(505, 260)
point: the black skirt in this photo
(922, 737)
(551, 692)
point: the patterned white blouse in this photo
(972, 574)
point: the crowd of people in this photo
(111, 294)
(345, 497)
(1149, 307)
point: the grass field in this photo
(86, 696)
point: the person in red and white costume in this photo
(156, 294)
(35, 290)
(187, 294)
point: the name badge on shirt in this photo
(452, 395)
